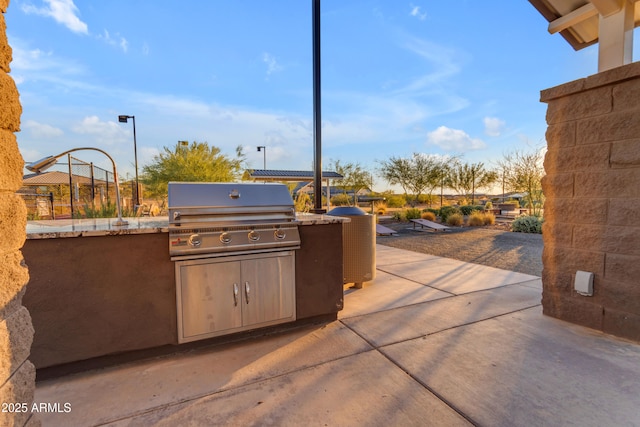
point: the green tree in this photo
(354, 177)
(466, 178)
(523, 172)
(417, 174)
(197, 162)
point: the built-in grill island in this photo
(234, 251)
(228, 254)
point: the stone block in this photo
(11, 162)
(557, 281)
(625, 154)
(614, 76)
(10, 108)
(626, 95)
(624, 212)
(589, 157)
(622, 268)
(610, 127)
(569, 260)
(557, 185)
(557, 234)
(577, 210)
(590, 103)
(19, 388)
(13, 279)
(621, 324)
(561, 135)
(16, 336)
(3, 5)
(5, 49)
(615, 183)
(561, 91)
(575, 309)
(13, 222)
(622, 240)
(620, 296)
(590, 236)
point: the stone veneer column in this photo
(592, 212)
(17, 374)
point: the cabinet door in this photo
(211, 298)
(268, 289)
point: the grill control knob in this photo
(225, 237)
(279, 234)
(195, 240)
(253, 235)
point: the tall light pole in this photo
(264, 150)
(123, 119)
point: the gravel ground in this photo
(491, 246)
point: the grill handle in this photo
(247, 289)
(235, 294)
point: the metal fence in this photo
(75, 189)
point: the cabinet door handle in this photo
(247, 289)
(235, 294)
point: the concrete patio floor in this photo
(431, 341)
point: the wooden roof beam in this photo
(570, 19)
(615, 34)
(608, 7)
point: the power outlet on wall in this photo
(583, 283)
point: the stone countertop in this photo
(55, 229)
(62, 228)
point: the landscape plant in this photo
(489, 218)
(527, 224)
(446, 211)
(429, 216)
(476, 219)
(412, 213)
(455, 220)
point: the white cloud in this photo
(41, 130)
(104, 132)
(453, 140)
(272, 64)
(415, 12)
(62, 11)
(117, 41)
(493, 126)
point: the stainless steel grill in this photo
(214, 219)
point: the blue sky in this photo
(398, 77)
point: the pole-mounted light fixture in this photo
(45, 163)
(123, 119)
(264, 150)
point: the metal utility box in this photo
(359, 245)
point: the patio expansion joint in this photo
(415, 281)
(444, 400)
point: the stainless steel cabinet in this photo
(217, 296)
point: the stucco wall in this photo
(17, 374)
(592, 220)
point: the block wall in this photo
(17, 374)
(592, 212)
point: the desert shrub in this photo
(412, 213)
(381, 208)
(399, 216)
(527, 224)
(488, 205)
(468, 209)
(429, 216)
(396, 201)
(476, 219)
(446, 211)
(436, 212)
(303, 202)
(489, 218)
(455, 219)
(341, 199)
